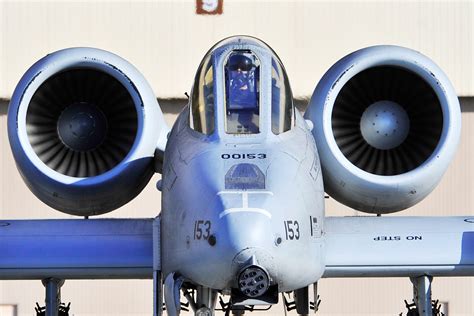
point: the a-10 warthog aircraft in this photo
(244, 178)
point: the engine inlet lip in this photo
(94, 117)
(63, 61)
(440, 85)
(406, 73)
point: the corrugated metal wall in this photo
(166, 39)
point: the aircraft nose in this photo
(250, 243)
(244, 238)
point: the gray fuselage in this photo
(211, 229)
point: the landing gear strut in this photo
(53, 307)
(200, 299)
(205, 301)
(301, 301)
(422, 304)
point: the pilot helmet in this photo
(240, 61)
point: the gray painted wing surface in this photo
(76, 249)
(399, 246)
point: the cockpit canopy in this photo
(242, 93)
(247, 65)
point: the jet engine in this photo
(386, 123)
(83, 126)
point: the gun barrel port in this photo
(253, 281)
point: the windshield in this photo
(242, 77)
(282, 100)
(202, 102)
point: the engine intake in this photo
(386, 124)
(81, 122)
(84, 126)
(387, 120)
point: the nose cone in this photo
(249, 242)
(243, 238)
(384, 125)
(82, 126)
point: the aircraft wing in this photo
(123, 248)
(77, 249)
(399, 246)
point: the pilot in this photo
(241, 81)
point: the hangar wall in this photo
(166, 40)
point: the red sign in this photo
(209, 6)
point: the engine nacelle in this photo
(83, 126)
(386, 123)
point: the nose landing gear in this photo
(201, 300)
(301, 301)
